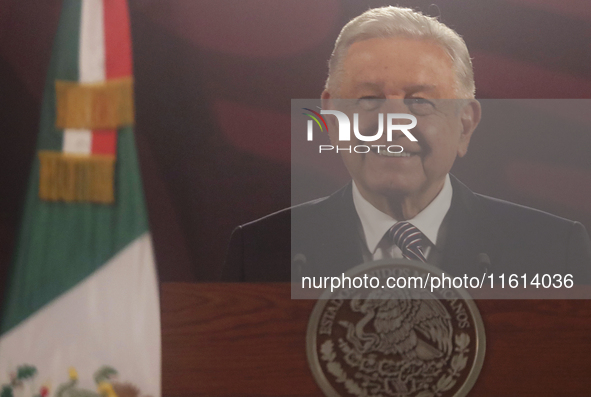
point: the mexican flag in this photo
(81, 314)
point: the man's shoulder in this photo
(517, 217)
(313, 211)
(259, 249)
(528, 239)
(307, 208)
(508, 215)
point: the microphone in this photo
(297, 265)
(484, 262)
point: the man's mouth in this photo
(384, 152)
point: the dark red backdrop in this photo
(214, 79)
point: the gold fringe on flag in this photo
(107, 105)
(76, 178)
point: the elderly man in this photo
(407, 204)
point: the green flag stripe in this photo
(63, 66)
(60, 244)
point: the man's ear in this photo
(469, 118)
(325, 100)
(326, 104)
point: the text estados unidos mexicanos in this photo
(435, 282)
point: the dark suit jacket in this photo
(322, 237)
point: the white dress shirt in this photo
(375, 224)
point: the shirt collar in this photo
(375, 223)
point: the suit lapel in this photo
(342, 249)
(466, 235)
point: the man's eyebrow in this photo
(408, 89)
(420, 88)
(369, 84)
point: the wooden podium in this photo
(243, 339)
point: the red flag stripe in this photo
(104, 142)
(117, 39)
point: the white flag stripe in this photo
(110, 318)
(91, 67)
(91, 58)
(77, 141)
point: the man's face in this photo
(406, 73)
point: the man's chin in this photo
(393, 189)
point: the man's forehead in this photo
(382, 86)
(398, 62)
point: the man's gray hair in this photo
(391, 21)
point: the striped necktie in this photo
(409, 239)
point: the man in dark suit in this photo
(406, 205)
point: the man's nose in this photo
(395, 104)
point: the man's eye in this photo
(370, 103)
(420, 106)
(417, 101)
